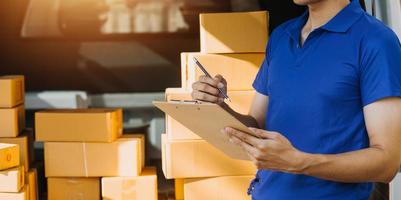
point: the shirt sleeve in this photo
(260, 82)
(380, 72)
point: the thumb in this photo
(219, 77)
(221, 80)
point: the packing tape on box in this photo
(72, 181)
(77, 195)
(128, 189)
(85, 160)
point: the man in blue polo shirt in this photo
(327, 108)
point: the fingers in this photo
(234, 140)
(245, 137)
(211, 81)
(204, 87)
(222, 83)
(207, 89)
(250, 150)
(255, 155)
(202, 96)
(265, 134)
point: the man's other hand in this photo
(269, 150)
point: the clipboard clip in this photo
(186, 101)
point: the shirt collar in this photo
(339, 23)
(345, 18)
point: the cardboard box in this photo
(218, 188)
(142, 147)
(177, 94)
(143, 187)
(9, 156)
(31, 179)
(12, 121)
(142, 143)
(22, 142)
(197, 158)
(77, 159)
(238, 69)
(241, 32)
(21, 195)
(40, 169)
(12, 91)
(179, 189)
(185, 84)
(241, 102)
(73, 188)
(78, 125)
(12, 180)
(174, 129)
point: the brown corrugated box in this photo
(179, 189)
(78, 125)
(9, 156)
(238, 69)
(143, 187)
(21, 195)
(12, 180)
(197, 158)
(12, 91)
(73, 188)
(142, 147)
(12, 121)
(218, 188)
(142, 142)
(241, 102)
(174, 129)
(31, 179)
(240, 32)
(22, 142)
(78, 159)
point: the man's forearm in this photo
(379, 163)
(367, 165)
(248, 120)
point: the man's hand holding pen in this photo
(207, 89)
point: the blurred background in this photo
(102, 45)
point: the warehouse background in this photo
(118, 53)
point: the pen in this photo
(208, 75)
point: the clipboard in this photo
(206, 120)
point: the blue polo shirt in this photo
(317, 93)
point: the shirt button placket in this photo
(299, 55)
(303, 50)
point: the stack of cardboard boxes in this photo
(88, 157)
(233, 45)
(17, 180)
